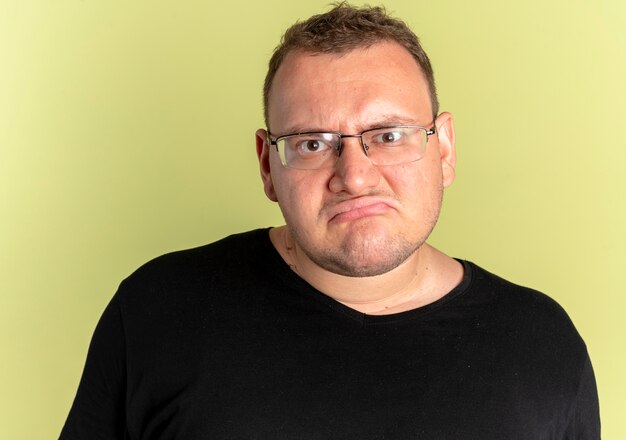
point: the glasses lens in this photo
(308, 151)
(395, 145)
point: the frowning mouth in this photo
(361, 207)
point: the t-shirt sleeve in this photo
(98, 411)
(584, 422)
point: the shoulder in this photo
(527, 339)
(190, 269)
(506, 294)
(524, 313)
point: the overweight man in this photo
(344, 323)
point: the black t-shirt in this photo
(226, 342)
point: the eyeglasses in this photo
(383, 146)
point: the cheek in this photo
(417, 184)
(430, 175)
(300, 196)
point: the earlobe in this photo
(263, 154)
(447, 147)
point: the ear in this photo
(263, 153)
(447, 147)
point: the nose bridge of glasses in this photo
(344, 136)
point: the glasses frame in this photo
(274, 142)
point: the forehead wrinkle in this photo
(361, 114)
(385, 120)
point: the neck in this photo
(421, 279)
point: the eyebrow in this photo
(384, 121)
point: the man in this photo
(344, 323)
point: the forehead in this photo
(353, 89)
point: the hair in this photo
(345, 28)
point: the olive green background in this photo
(127, 130)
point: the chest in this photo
(307, 377)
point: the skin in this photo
(357, 232)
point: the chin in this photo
(364, 256)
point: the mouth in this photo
(361, 207)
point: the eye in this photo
(388, 137)
(311, 146)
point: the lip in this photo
(355, 209)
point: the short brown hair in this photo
(345, 28)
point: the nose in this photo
(354, 172)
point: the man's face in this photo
(356, 219)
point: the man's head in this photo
(356, 217)
(343, 29)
